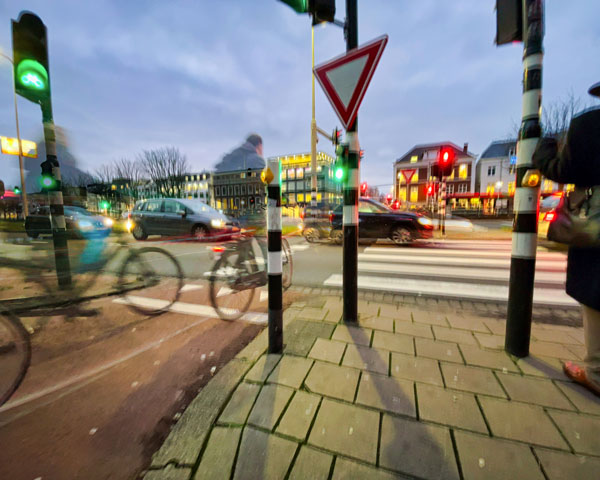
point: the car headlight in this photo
(217, 223)
(84, 224)
(129, 225)
(108, 222)
(425, 221)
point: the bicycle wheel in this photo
(151, 280)
(287, 266)
(228, 295)
(15, 354)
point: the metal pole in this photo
(443, 188)
(313, 133)
(526, 200)
(274, 263)
(350, 219)
(59, 228)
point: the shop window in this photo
(463, 171)
(414, 194)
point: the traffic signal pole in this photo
(57, 213)
(313, 132)
(274, 259)
(350, 219)
(526, 202)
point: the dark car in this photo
(376, 220)
(315, 221)
(79, 222)
(178, 217)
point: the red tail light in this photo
(550, 216)
(301, 215)
(330, 217)
(218, 249)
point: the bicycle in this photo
(144, 275)
(239, 270)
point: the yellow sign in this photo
(10, 146)
(266, 175)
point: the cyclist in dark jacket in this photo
(578, 162)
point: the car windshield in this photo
(380, 207)
(199, 207)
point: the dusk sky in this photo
(201, 75)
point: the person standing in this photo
(578, 162)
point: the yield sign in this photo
(408, 174)
(345, 78)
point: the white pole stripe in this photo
(525, 200)
(352, 140)
(524, 245)
(532, 104)
(353, 178)
(274, 264)
(533, 61)
(350, 215)
(525, 149)
(273, 215)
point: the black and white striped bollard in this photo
(350, 225)
(524, 243)
(274, 261)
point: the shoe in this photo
(578, 374)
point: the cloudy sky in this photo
(200, 75)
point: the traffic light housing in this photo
(445, 162)
(340, 167)
(509, 21)
(430, 190)
(30, 58)
(17, 190)
(363, 189)
(320, 10)
(389, 198)
(47, 180)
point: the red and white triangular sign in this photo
(345, 78)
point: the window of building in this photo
(283, 174)
(236, 203)
(319, 197)
(243, 189)
(284, 187)
(462, 188)
(463, 171)
(257, 188)
(237, 190)
(402, 194)
(217, 191)
(291, 174)
(511, 188)
(319, 168)
(292, 198)
(414, 159)
(300, 197)
(414, 179)
(450, 189)
(547, 186)
(230, 190)
(414, 194)
(491, 170)
(299, 173)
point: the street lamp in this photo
(23, 191)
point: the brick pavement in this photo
(409, 392)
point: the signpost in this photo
(345, 80)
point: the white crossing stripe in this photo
(224, 291)
(456, 252)
(299, 248)
(191, 286)
(264, 295)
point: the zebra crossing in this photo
(470, 270)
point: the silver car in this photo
(177, 217)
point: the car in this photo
(315, 221)
(546, 216)
(377, 221)
(79, 222)
(179, 217)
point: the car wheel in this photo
(311, 235)
(337, 236)
(401, 236)
(200, 232)
(138, 232)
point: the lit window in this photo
(490, 188)
(463, 170)
(299, 173)
(283, 174)
(570, 187)
(450, 189)
(291, 174)
(300, 197)
(402, 194)
(414, 194)
(415, 178)
(319, 196)
(511, 188)
(414, 159)
(547, 186)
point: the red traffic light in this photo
(363, 188)
(429, 190)
(446, 156)
(389, 197)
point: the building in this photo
(238, 192)
(296, 180)
(495, 176)
(413, 173)
(198, 186)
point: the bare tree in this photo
(105, 173)
(128, 169)
(166, 167)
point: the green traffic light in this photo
(17, 190)
(104, 205)
(47, 182)
(339, 174)
(32, 75)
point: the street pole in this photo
(313, 133)
(443, 188)
(274, 263)
(21, 169)
(350, 218)
(59, 228)
(526, 200)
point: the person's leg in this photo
(591, 332)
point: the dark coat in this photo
(242, 158)
(578, 162)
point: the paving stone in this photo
(534, 390)
(269, 406)
(393, 342)
(348, 470)
(484, 458)
(299, 415)
(416, 368)
(449, 408)
(219, 455)
(170, 472)
(300, 335)
(549, 349)
(415, 448)
(451, 335)
(554, 336)
(403, 313)
(447, 352)
(368, 308)
(390, 311)
(487, 358)
(493, 342)
(377, 323)
(263, 367)
(263, 456)
(578, 336)
(518, 421)
(584, 400)
(312, 313)
(237, 410)
(332, 381)
(563, 466)
(471, 379)
(546, 367)
(328, 350)
(352, 335)
(311, 464)
(579, 351)
(334, 315)
(414, 329)
(387, 393)
(365, 358)
(346, 429)
(430, 318)
(291, 371)
(581, 431)
(474, 324)
(497, 327)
